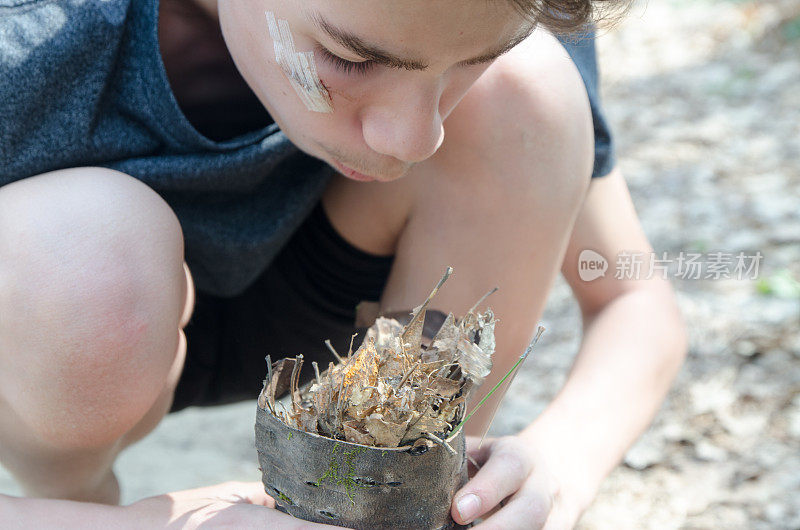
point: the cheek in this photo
(299, 67)
(341, 87)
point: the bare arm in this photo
(633, 345)
(21, 513)
(229, 505)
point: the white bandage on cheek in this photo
(299, 67)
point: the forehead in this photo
(430, 29)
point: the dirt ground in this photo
(704, 97)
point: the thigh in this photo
(308, 294)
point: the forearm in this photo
(630, 354)
(22, 513)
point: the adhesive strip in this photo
(299, 67)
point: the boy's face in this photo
(386, 117)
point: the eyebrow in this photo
(375, 53)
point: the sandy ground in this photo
(705, 101)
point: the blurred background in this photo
(704, 98)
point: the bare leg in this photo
(93, 291)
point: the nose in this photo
(405, 124)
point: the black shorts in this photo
(308, 294)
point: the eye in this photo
(343, 65)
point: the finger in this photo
(479, 451)
(529, 511)
(503, 473)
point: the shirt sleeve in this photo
(581, 49)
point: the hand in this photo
(238, 505)
(513, 488)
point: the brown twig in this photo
(270, 391)
(333, 351)
(484, 297)
(441, 442)
(298, 363)
(350, 350)
(316, 371)
(408, 373)
(339, 402)
(418, 318)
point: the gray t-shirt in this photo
(82, 83)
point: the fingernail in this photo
(468, 507)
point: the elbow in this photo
(653, 306)
(669, 326)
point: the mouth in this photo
(352, 173)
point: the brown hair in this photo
(571, 16)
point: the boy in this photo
(126, 135)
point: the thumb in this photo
(479, 450)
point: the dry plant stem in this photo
(408, 373)
(442, 372)
(330, 385)
(316, 371)
(509, 373)
(484, 297)
(333, 351)
(294, 382)
(401, 407)
(514, 371)
(270, 395)
(339, 403)
(330, 380)
(441, 442)
(350, 350)
(417, 321)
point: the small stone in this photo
(645, 453)
(745, 348)
(705, 450)
(774, 511)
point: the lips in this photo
(352, 173)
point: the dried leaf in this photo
(448, 331)
(362, 370)
(412, 334)
(385, 433)
(384, 331)
(429, 422)
(361, 403)
(353, 434)
(486, 342)
(443, 387)
(396, 388)
(475, 363)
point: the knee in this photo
(529, 122)
(91, 294)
